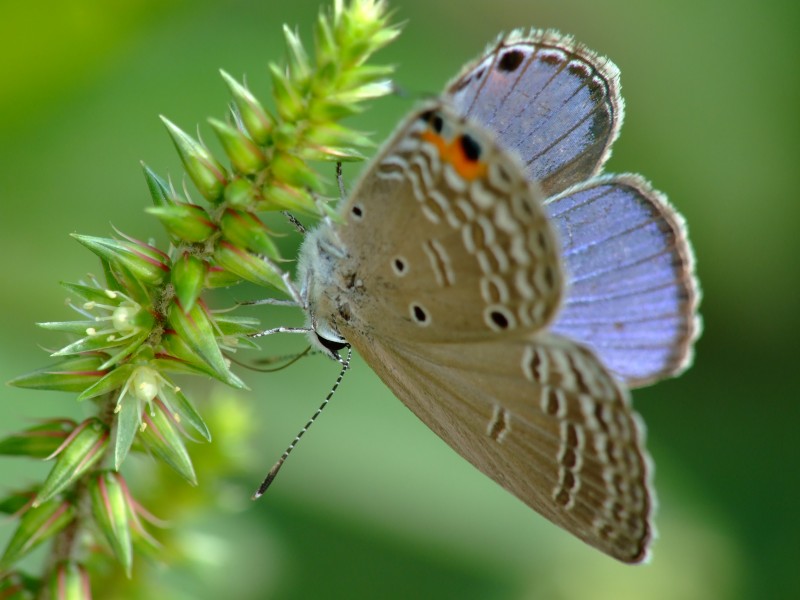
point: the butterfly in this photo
(511, 295)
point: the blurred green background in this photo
(373, 504)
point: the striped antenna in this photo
(273, 472)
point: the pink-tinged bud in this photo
(195, 328)
(76, 455)
(142, 261)
(37, 524)
(183, 221)
(208, 175)
(70, 581)
(284, 197)
(244, 154)
(188, 277)
(162, 434)
(255, 118)
(111, 512)
(249, 266)
(291, 170)
(243, 193)
(245, 230)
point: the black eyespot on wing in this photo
(499, 319)
(510, 61)
(419, 313)
(434, 119)
(399, 265)
(471, 148)
(357, 211)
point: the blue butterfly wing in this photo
(547, 98)
(631, 292)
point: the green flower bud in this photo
(255, 118)
(249, 266)
(82, 448)
(245, 230)
(293, 171)
(242, 193)
(186, 222)
(38, 524)
(110, 507)
(288, 198)
(288, 101)
(244, 154)
(208, 175)
(143, 261)
(218, 277)
(188, 277)
(70, 581)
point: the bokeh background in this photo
(373, 505)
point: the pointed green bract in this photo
(194, 327)
(39, 441)
(160, 191)
(162, 436)
(255, 118)
(129, 419)
(72, 374)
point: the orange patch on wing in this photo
(453, 153)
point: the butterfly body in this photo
(471, 293)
